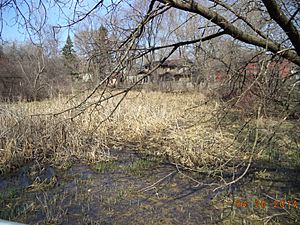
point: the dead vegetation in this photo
(160, 123)
(208, 145)
(184, 128)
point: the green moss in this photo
(9, 207)
(106, 166)
(140, 166)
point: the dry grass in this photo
(184, 128)
(180, 127)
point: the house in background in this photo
(170, 70)
(171, 74)
(283, 69)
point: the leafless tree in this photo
(142, 27)
(147, 30)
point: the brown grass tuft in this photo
(180, 127)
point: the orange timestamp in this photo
(261, 204)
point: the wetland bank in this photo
(163, 161)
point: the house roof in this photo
(171, 63)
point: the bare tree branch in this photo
(230, 29)
(285, 23)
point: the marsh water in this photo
(135, 188)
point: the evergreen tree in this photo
(68, 50)
(102, 33)
(71, 61)
(102, 58)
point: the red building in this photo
(283, 69)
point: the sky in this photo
(16, 32)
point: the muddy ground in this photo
(141, 189)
